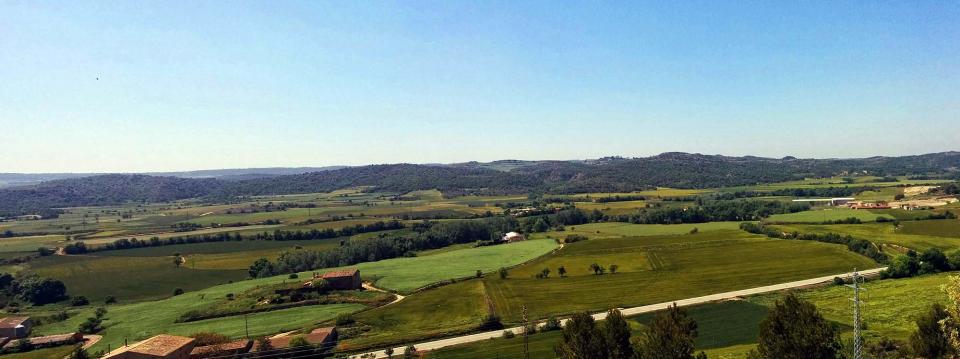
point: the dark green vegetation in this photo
(679, 170)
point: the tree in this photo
(503, 273)
(178, 260)
(581, 339)
(409, 351)
(562, 272)
(613, 268)
(794, 329)
(389, 352)
(928, 340)
(616, 335)
(79, 353)
(545, 272)
(91, 326)
(100, 312)
(595, 268)
(933, 261)
(951, 325)
(261, 268)
(42, 291)
(903, 266)
(670, 336)
(264, 345)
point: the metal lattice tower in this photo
(526, 340)
(857, 335)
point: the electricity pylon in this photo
(857, 335)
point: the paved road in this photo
(472, 338)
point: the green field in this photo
(149, 273)
(407, 274)
(884, 233)
(729, 329)
(447, 310)
(56, 352)
(619, 229)
(142, 320)
(653, 269)
(722, 327)
(830, 214)
(939, 228)
(666, 268)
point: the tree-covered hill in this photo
(611, 174)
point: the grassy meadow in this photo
(886, 233)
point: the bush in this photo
(111, 299)
(573, 238)
(838, 281)
(344, 319)
(293, 276)
(551, 324)
(178, 291)
(491, 322)
(508, 334)
(79, 300)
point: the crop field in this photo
(883, 233)
(831, 214)
(29, 243)
(722, 327)
(407, 274)
(619, 229)
(450, 309)
(149, 273)
(612, 208)
(666, 267)
(939, 228)
(141, 320)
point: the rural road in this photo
(370, 286)
(472, 338)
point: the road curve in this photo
(472, 338)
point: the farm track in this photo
(472, 338)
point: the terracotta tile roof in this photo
(232, 347)
(160, 345)
(51, 339)
(341, 273)
(12, 322)
(317, 336)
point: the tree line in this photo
(426, 235)
(711, 211)
(79, 247)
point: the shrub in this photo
(491, 322)
(179, 291)
(293, 276)
(503, 273)
(209, 338)
(508, 334)
(79, 300)
(573, 238)
(838, 281)
(111, 299)
(551, 324)
(344, 319)
(299, 341)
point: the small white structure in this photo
(513, 237)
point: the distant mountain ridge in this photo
(23, 179)
(609, 174)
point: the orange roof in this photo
(239, 345)
(341, 273)
(161, 345)
(317, 336)
(12, 322)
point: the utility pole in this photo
(246, 328)
(526, 341)
(857, 336)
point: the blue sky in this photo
(226, 84)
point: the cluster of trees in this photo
(911, 264)
(31, 288)
(619, 198)
(793, 329)
(860, 246)
(739, 210)
(427, 235)
(278, 235)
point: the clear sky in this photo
(226, 84)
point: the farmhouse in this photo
(347, 279)
(512, 237)
(15, 327)
(163, 346)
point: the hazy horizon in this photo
(135, 87)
